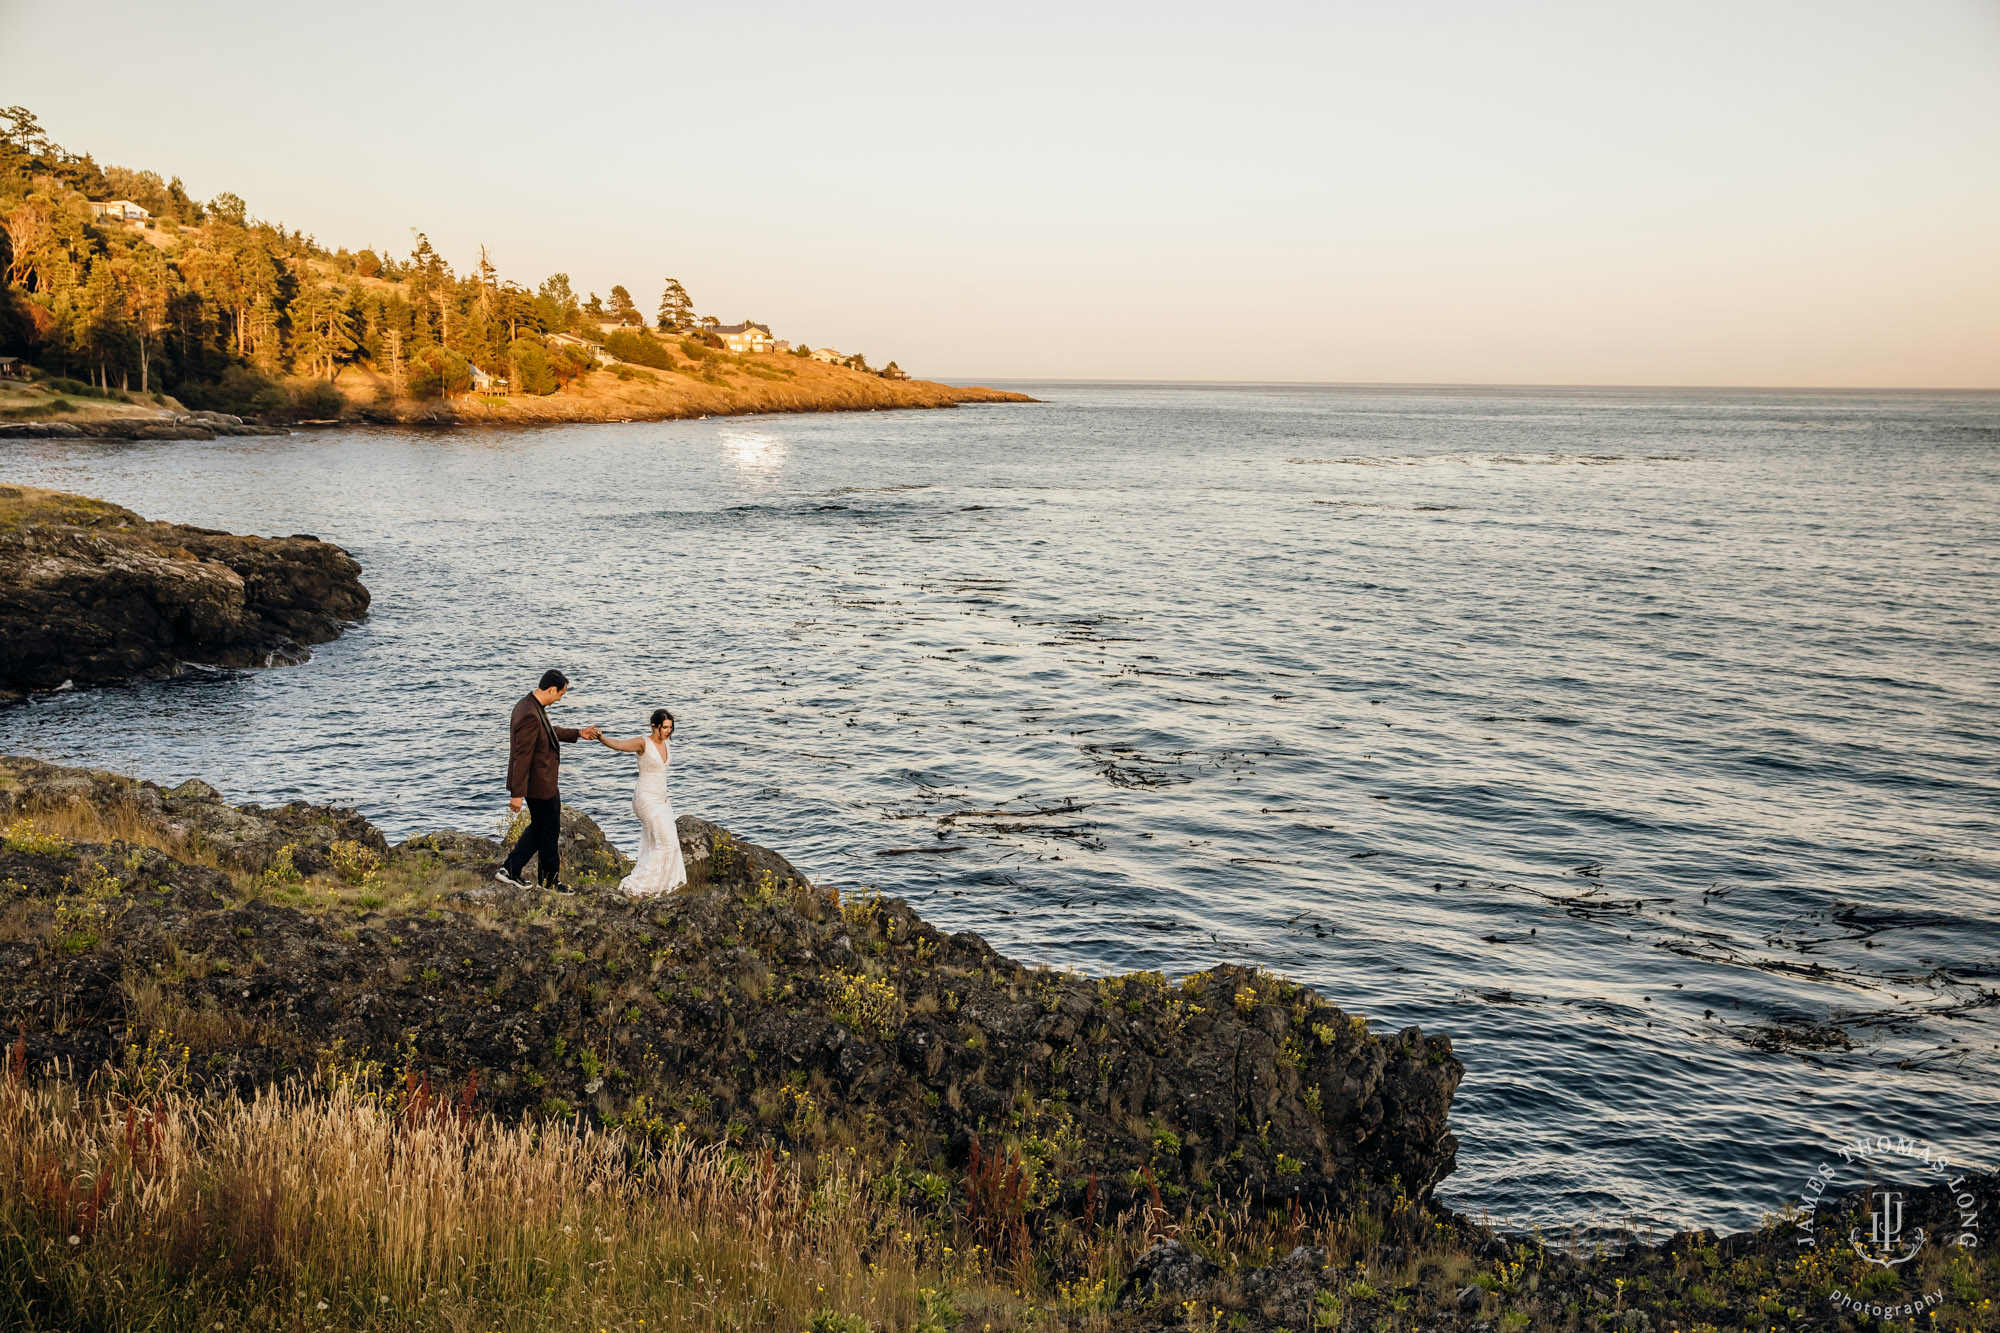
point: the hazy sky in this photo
(1674, 193)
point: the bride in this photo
(660, 868)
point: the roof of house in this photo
(726, 329)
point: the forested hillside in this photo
(232, 312)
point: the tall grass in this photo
(108, 822)
(341, 1201)
(131, 1204)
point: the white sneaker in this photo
(507, 879)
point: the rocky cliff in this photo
(91, 592)
(752, 1006)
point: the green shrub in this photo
(827, 1320)
(243, 391)
(531, 371)
(318, 400)
(438, 370)
(641, 349)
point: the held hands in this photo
(592, 734)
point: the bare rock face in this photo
(92, 593)
(1168, 1271)
(752, 1006)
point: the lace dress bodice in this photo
(653, 768)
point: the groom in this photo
(532, 761)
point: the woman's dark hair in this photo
(661, 715)
(553, 679)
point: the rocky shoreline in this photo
(91, 593)
(161, 426)
(758, 1010)
(752, 1007)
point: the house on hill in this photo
(483, 382)
(119, 210)
(828, 355)
(13, 368)
(744, 337)
(594, 350)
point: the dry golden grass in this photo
(35, 401)
(20, 503)
(748, 384)
(201, 1028)
(130, 1204)
(104, 822)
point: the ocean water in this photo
(1642, 741)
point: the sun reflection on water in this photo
(754, 453)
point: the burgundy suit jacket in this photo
(532, 757)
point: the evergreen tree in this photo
(149, 284)
(622, 308)
(106, 331)
(676, 308)
(322, 331)
(556, 305)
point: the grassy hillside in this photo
(722, 385)
(240, 315)
(52, 399)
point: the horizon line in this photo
(1462, 384)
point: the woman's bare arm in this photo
(633, 746)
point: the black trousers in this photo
(544, 828)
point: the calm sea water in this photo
(1603, 730)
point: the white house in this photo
(828, 355)
(120, 210)
(596, 350)
(483, 382)
(744, 337)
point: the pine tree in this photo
(489, 278)
(150, 286)
(322, 331)
(622, 308)
(676, 308)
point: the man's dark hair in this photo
(553, 679)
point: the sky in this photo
(1682, 193)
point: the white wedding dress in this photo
(660, 868)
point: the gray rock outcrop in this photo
(92, 593)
